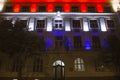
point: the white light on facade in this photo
(115, 5)
(85, 24)
(67, 25)
(31, 24)
(36, 79)
(2, 3)
(58, 13)
(102, 24)
(15, 79)
(49, 24)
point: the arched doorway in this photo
(58, 70)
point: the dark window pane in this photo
(76, 24)
(9, 9)
(58, 8)
(91, 9)
(25, 9)
(40, 24)
(107, 9)
(96, 42)
(93, 24)
(41, 9)
(74, 9)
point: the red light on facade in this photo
(66, 8)
(97, 1)
(33, 8)
(83, 8)
(16, 8)
(99, 8)
(50, 8)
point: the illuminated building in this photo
(80, 26)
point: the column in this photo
(67, 25)
(49, 24)
(85, 24)
(31, 24)
(102, 24)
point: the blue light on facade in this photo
(87, 45)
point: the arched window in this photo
(79, 64)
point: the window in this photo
(76, 24)
(24, 22)
(107, 9)
(9, 9)
(58, 41)
(110, 23)
(25, 9)
(95, 42)
(77, 42)
(42, 9)
(79, 64)
(58, 8)
(94, 25)
(91, 9)
(58, 25)
(17, 65)
(37, 65)
(74, 9)
(40, 23)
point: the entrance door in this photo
(58, 70)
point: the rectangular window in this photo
(40, 24)
(77, 42)
(91, 9)
(41, 9)
(58, 41)
(74, 9)
(110, 24)
(37, 65)
(58, 25)
(76, 24)
(9, 9)
(25, 9)
(107, 9)
(95, 42)
(17, 65)
(94, 25)
(58, 8)
(24, 22)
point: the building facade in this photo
(75, 33)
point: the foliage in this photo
(17, 39)
(111, 54)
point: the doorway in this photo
(58, 70)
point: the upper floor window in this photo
(24, 22)
(41, 9)
(95, 42)
(76, 24)
(74, 9)
(17, 65)
(37, 65)
(79, 64)
(25, 9)
(93, 24)
(77, 42)
(110, 24)
(58, 41)
(58, 8)
(58, 25)
(107, 9)
(40, 24)
(91, 9)
(9, 9)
